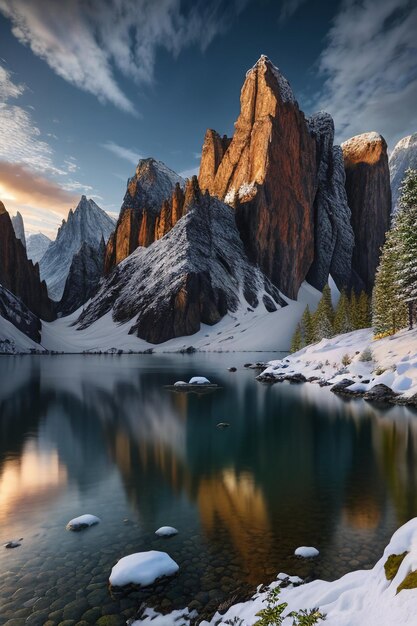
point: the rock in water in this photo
(142, 568)
(268, 173)
(166, 531)
(194, 275)
(83, 521)
(88, 223)
(84, 277)
(306, 552)
(18, 274)
(402, 157)
(369, 198)
(19, 228)
(333, 234)
(151, 207)
(36, 246)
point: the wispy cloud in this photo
(370, 70)
(86, 43)
(128, 154)
(190, 173)
(288, 8)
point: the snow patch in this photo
(306, 552)
(166, 531)
(199, 380)
(142, 568)
(83, 521)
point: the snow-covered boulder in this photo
(166, 531)
(199, 380)
(306, 552)
(83, 521)
(180, 383)
(142, 568)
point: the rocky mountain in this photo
(143, 216)
(18, 275)
(88, 223)
(194, 275)
(16, 312)
(369, 199)
(402, 157)
(36, 246)
(18, 227)
(83, 278)
(333, 233)
(268, 173)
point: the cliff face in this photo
(402, 157)
(19, 228)
(150, 207)
(83, 278)
(268, 173)
(18, 274)
(333, 233)
(369, 198)
(13, 310)
(194, 275)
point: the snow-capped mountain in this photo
(18, 227)
(402, 157)
(194, 275)
(89, 224)
(36, 246)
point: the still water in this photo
(101, 435)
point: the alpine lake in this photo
(297, 466)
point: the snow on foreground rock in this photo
(361, 598)
(142, 568)
(391, 361)
(83, 521)
(306, 552)
(166, 531)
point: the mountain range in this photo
(276, 207)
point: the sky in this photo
(87, 87)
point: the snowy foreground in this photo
(391, 361)
(361, 598)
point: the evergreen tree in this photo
(342, 322)
(363, 311)
(297, 340)
(353, 309)
(324, 316)
(307, 328)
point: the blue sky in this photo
(89, 86)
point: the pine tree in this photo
(324, 316)
(307, 328)
(353, 309)
(342, 322)
(297, 341)
(363, 315)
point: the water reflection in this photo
(297, 466)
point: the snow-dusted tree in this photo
(406, 242)
(297, 340)
(353, 309)
(324, 316)
(363, 311)
(307, 328)
(342, 322)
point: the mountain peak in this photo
(274, 77)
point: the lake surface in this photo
(101, 435)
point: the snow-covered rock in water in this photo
(36, 246)
(83, 521)
(150, 209)
(83, 278)
(194, 275)
(166, 531)
(386, 595)
(402, 157)
(333, 237)
(89, 224)
(19, 228)
(150, 617)
(199, 380)
(306, 552)
(16, 312)
(180, 383)
(142, 568)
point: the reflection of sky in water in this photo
(297, 466)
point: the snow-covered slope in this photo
(402, 157)
(391, 361)
(36, 246)
(16, 312)
(88, 223)
(13, 341)
(361, 598)
(18, 227)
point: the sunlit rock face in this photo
(369, 197)
(151, 207)
(268, 173)
(18, 274)
(194, 275)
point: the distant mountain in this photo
(87, 224)
(36, 246)
(193, 275)
(83, 278)
(402, 157)
(19, 228)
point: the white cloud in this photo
(128, 154)
(190, 173)
(370, 69)
(288, 8)
(8, 89)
